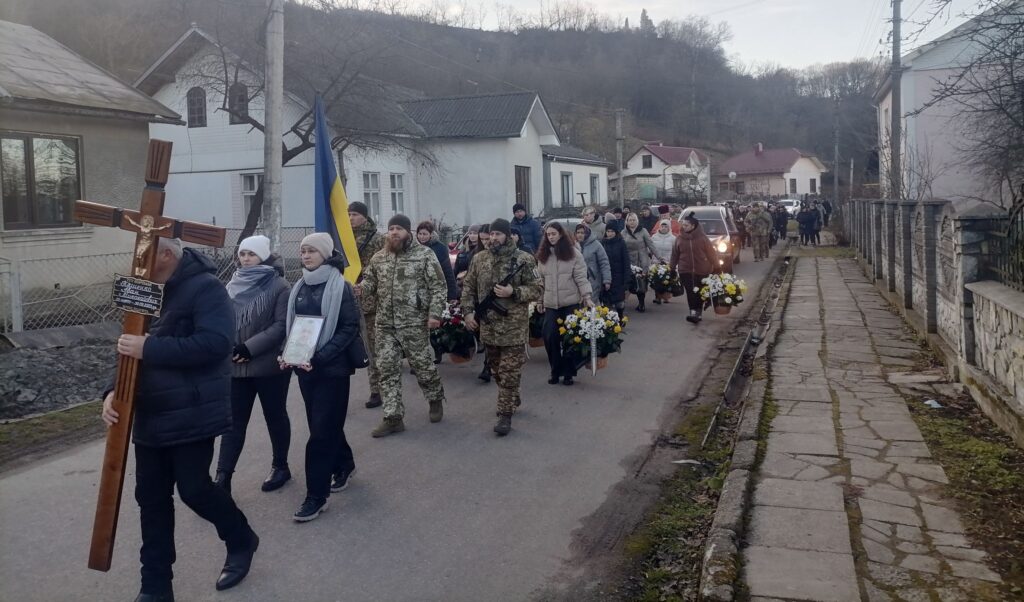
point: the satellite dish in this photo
(732, 175)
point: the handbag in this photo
(356, 353)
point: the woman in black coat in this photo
(324, 380)
(618, 259)
(260, 295)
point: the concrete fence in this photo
(935, 264)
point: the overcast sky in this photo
(791, 33)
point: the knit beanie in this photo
(518, 207)
(322, 242)
(616, 225)
(360, 208)
(401, 221)
(663, 210)
(501, 225)
(258, 245)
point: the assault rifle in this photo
(490, 302)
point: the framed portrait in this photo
(302, 339)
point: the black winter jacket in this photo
(264, 334)
(618, 259)
(331, 360)
(184, 389)
(441, 250)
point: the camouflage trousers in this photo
(369, 326)
(391, 346)
(507, 368)
(760, 246)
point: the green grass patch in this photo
(695, 425)
(49, 432)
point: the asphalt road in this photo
(441, 512)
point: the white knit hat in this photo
(259, 245)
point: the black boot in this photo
(503, 426)
(640, 307)
(167, 596)
(237, 564)
(437, 356)
(223, 480)
(485, 374)
(374, 401)
(553, 380)
(692, 318)
(279, 475)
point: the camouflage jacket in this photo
(759, 223)
(404, 289)
(368, 241)
(489, 268)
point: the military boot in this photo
(388, 426)
(436, 411)
(504, 425)
(375, 401)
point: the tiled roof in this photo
(771, 160)
(673, 155)
(484, 116)
(38, 71)
(573, 154)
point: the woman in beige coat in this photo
(641, 248)
(566, 288)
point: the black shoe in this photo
(553, 380)
(374, 401)
(277, 478)
(503, 426)
(568, 381)
(164, 597)
(237, 565)
(485, 374)
(519, 401)
(640, 308)
(692, 318)
(223, 480)
(311, 508)
(657, 301)
(437, 357)
(339, 480)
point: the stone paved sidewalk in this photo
(848, 504)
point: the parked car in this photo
(718, 224)
(792, 206)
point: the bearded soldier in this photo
(759, 225)
(403, 281)
(503, 336)
(368, 241)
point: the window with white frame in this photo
(371, 192)
(595, 189)
(251, 183)
(398, 192)
(567, 189)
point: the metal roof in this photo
(483, 116)
(571, 154)
(673, 155)
(39, 73)
(768, 161)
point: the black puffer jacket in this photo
(618, 260)
(441, 250)
(331, 360)
(184, 388)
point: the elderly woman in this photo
(663, 240)
(641, 249)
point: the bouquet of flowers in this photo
(603, 325)
(452, 336)
(723, 291)
(663, 279)
(536, 326)
(637, 276)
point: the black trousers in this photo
(689, 282)
(273, 394)
(157, 471)
(562, 364)
(327, 451)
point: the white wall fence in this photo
(946, 271)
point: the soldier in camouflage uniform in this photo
(368, 241)
(403, 281)
(504, 337)
(759, 225)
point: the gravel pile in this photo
(42, 380)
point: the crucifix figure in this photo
(149, 224)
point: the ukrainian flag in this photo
(331, 210)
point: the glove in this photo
(242, 351)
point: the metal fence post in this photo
(17, 314)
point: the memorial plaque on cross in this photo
(149, 225)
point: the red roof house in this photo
(770, 172)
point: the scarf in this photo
(330, 305)
(251, 289)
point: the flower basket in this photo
(452, 337)
(636, 279)
(602, 362)
(578, 328)
(536, 342)
(662, 279)
(724, 291)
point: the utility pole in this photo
(273, 126)
(896, 110)
(619, 141)
(851, 181)
(835, 150)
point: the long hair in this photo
(564, 250)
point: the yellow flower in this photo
(617, 329)
(625, 319)
(561, 331)
(608, 323)
(560, 321)
(576, 339)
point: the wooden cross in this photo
(149, 225)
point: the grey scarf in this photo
(330, 305)
(251, 289)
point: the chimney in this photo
(758, 149)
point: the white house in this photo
(933, 145)
(573, 177)
(462, 160)
(770, 172)
(655, 171)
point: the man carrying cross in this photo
(182, 404)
